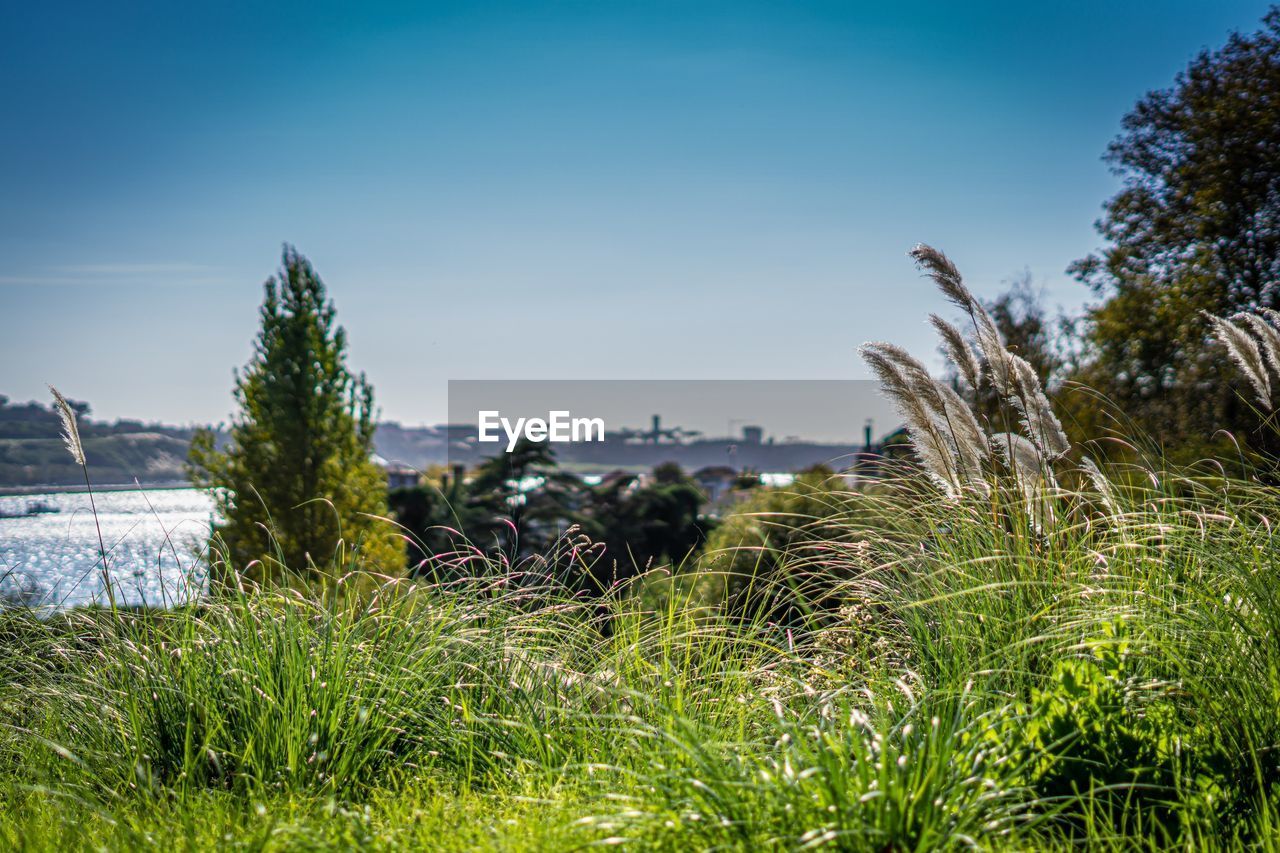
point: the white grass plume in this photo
(1244, 351)
(71, 435)
(939, 267)
(961, 420)
(996, 357)
(950, 441)
(1268, 338)
(949, 417)
(1100, 484)
(957, 418)
(70, 429)
(958, 350)
(1030, 471)
(1271, 315)
(1019, 454)
(944, 273)
(936, 454)
(1042, 425)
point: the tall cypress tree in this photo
(296, 486)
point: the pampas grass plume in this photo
(1244, 351)
(958, 350)
(70, 429)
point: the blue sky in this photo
(563, 190)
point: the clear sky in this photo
(526, 190)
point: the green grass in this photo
(917, 674)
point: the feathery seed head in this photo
(1030, 471)
(939, 267)
(1018, 453)
(1041, 424)
(1271, 315)
(1268, 338)
(1245, 353)
(933, 411)
(936, 454)
(1100, 483)
(958, 350)
(70, 429)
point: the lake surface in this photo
(153, 539)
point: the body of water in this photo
(153, 539)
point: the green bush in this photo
(1103, 730)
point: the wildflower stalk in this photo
(71, 436)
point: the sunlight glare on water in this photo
(153, 539)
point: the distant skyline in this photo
(823, 410)
(547, 190)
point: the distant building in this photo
(875, 458)
(752, 435)
(656, 434)
(399, 476)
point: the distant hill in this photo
(153, 458)
(32, 452)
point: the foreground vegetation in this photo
(944, 674)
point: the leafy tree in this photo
(514, 505)
(645, 525)
(1196, 227)
(517, 504)
(439, 519)
(521, 501)
(296, 486)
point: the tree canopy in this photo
(296, 487)
(1195, 227)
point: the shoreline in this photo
(15, 491)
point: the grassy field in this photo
(919, 673)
